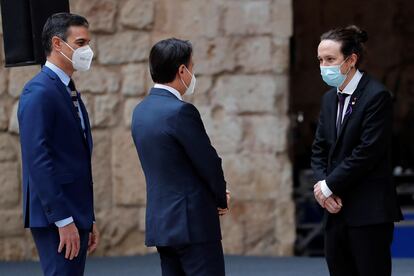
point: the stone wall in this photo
(242, 65)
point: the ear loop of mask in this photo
(346, 74)
(64, 54)
(182, 79)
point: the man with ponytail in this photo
(351, 160)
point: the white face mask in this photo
(81, 58)
(191, 87)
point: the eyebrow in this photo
(80, 39)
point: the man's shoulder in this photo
(374, 89)
(40, 82)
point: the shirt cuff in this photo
(325, 189)
(64, 222)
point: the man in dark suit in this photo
(186, 190)
(351, 160)
(56, 143)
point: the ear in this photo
(56, 43)
(354, 59)
(181, 69)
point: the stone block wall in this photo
(241, 54)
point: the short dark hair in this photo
(352, 40)
(58, 25)
(166, 57)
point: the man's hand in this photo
(228, 196)
(93, 239)
(317, 191)
(221, 211)
(69, 239)
(333, 204)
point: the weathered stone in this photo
(225, 131)
(138, 15)
(127, 177)
(247, 17)
(248, 57)
(18, 248)
(7, 148)
(123, 47)
(265, 133)
(213, 56)
(4, 119)
(133, 83)
(18, 77)
(105, 110)
(245, 93)
(281, 99)
(101, 170)
(202, 94)
(233, 231)
(3, 77)
(11, 222)
(192, 16)
(13, 249)
(100, 13)
(282, 18)
(141, 217)
(120, 234)
(14, 122)
(97, 80)
(9, 184)
(255, 176)
(260, 217)
(285, 222)
(130, 104)
(281, 56)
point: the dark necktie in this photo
(74, 96)
(75, 100)
(341, 101)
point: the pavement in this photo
(235, 266)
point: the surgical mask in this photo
(81, 58)
(332, 75)
(189, 89)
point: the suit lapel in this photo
(351, 107)
(65, 94)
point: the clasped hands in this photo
(332, 204)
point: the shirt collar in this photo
(352, 85)
(61, 74)
(170, 89)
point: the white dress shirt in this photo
(170, 89)
(349, 89)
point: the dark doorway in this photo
(390, 59)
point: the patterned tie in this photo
(75, 100)
(74, 96)
(341, 100)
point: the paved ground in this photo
(235, 266)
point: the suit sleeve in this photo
(193, 137)
(36, 115)
(320, 150)
(374, 140)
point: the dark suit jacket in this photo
(185, 182)
(357, 164)
(56, 157)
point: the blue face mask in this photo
(332, 75)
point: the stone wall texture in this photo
(242, 65)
